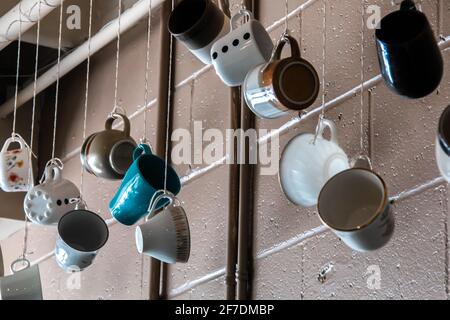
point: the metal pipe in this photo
(165, 84)
(26, 11)
(233, 187)
(109, 32)
(246, 201)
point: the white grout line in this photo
(296, 240)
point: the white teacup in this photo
(241, 50)
(15, 166)
(306, 166)
(23, 284)
(355, 205)
(46, 203)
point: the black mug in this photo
(410, 59)
(198, 24)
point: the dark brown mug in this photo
(108, 154)
(274, 88)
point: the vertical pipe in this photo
(233, 183)
(163, 89)
(246, 205)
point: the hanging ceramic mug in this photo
(274, 88)
(308, 163)
(355, 205)
(165, 236)
(108, 154)
(443, 144)
(144, 178)
(15, 166)
(410, 59)
(198, 24)
(244, 48)
(81, 234)
(47, 202)
(23, 284)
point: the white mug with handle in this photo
(23, 284)
(15, 166)
(241, 50)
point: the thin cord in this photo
(33, 117)
(169, 100)
(191, 120)
(147, 68)
(57, 81)
(324, 60)
(300, 29)
(86, 96)
(116, 85)
(16, 94)
(147, 80)
(362, 77)
(286, 18)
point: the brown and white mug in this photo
(272, 89)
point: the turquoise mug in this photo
(143, 179)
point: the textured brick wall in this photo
(291, 245)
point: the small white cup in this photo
(305, 165)
(81, 233)
(355, 205)
(165, 236)
(23, 284)
(46, 203)
(15, 166)
(241, 50)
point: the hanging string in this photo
(33, 117)
(147, 82)
(300, 29)
(16, 94)
(86, 96)
(169, 102)
(324, 60)
(116, 84)
(147, 69)
(57, 80)
(286, 18)
(362, 76)
(191, 121)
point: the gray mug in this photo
(81, 233)
(23, 284)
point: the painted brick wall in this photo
(291, 245)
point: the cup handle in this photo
(16, 138)
(157, 197)
(242, 13)
(408, 5)
(16, 262)
(362, 162)
(324, 123)
(142, 149)
(126, 123)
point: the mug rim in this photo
(279, 69)
(192, 27)
(380, 210)
(92, 214)
(443, 141)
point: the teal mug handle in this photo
(142, 149)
